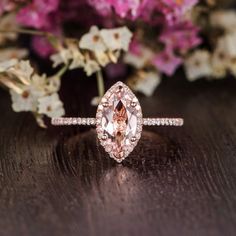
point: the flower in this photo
(225, 19)
(25, 101)
(8, 5)
(138, 55)
(92, 40)
(22, 70)
(6, 65)
(145, 82)
(103, 7)
(42, 46)
(37, 13)
(220, 61)
(68, 55)
(123, 8)
(181, 37)
(224, 55)
(198, 65)
(174, 11)
(91, 66)
(63, 56)
(227, 44)
(94, 50)
(12, 53)
(76, 56)
(51, 106)
(167, 62)
(102, 58)
(117, 39)
(30, 91)
(7, 23)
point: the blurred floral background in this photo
(141, 40)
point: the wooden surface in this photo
(178, 181)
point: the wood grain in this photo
(178, 181)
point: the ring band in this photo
(119, 121)
(93, 121)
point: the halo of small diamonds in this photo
(105, 119)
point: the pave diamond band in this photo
(93, 121)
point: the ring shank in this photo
(92, 121)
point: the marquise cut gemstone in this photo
(119, 121)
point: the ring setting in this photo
(119, 121)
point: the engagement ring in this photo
(119, 121)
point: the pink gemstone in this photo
(119, 116)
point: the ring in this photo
(118, 121)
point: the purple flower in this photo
(103, 7)
(167, 62)
(123, 8)
(8, 5)
(42, 47)
(36, 14)
(181, 37)
(174, 10)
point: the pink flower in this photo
(42, 47)
(135, 47)
(8, 5)
(174, 10)
(181, 37)
(167, 62)
(123, 8)
(36, 14)
(103, 7)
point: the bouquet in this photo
(146, 40)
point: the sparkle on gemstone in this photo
(119, 121)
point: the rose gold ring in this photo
(118, 121)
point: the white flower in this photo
(63, 56)
(117, 39)
(69, 56)
(6, 65)
(39, 120)
(219, 61)
(26, 101)
(12, 53)
(198, 65)
(232, 66)
(92, 40)
(91, 66)
(51, 106)
(224, 19)
(8, 23)
(102, 58)
(77, 59)
(22, 70)
(139, 60)
(53, 84)
(227, 43)
(45, 85)
(145, 82)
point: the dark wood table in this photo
(178, 181)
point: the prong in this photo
(133, 139)
(105, 104)
(133, 104)
(104, 137)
